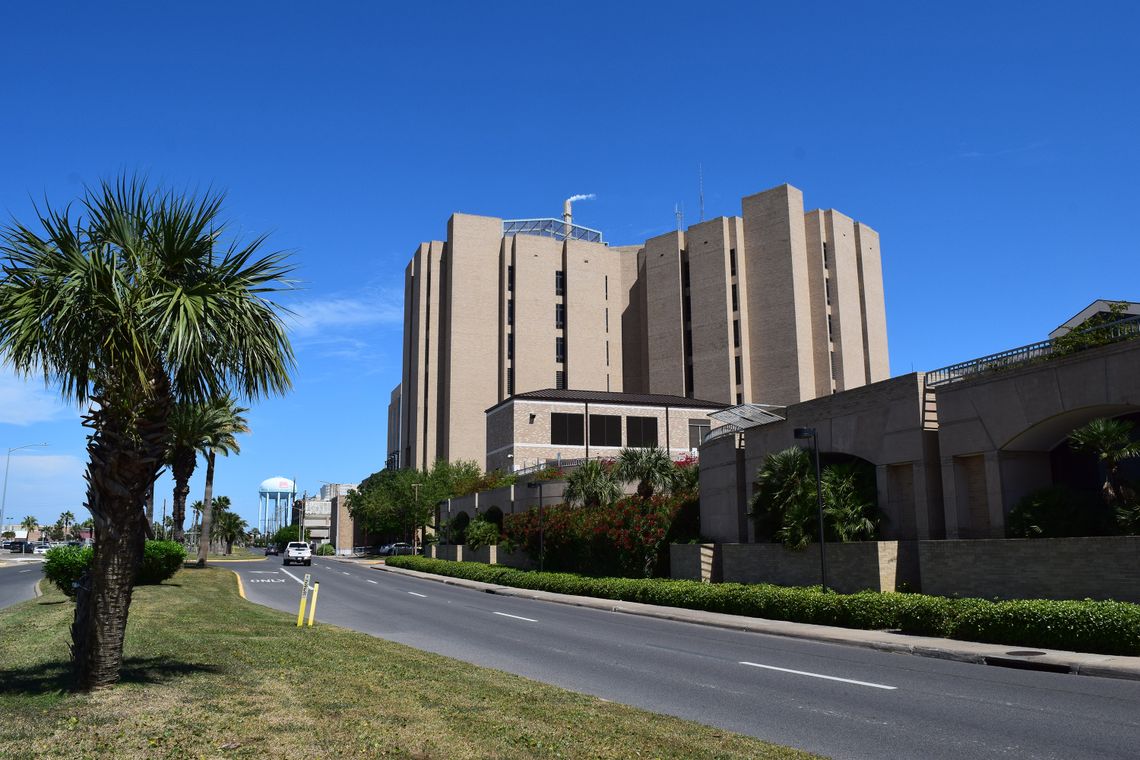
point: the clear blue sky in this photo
(992, 145)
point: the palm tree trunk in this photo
(150, 505)
(121, 468)
(207, 511)
(182, 468)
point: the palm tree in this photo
(850, 508)
(592, 484)
(192, 426)
(221, 439)
(67, 518)
(784, 504)
(128, 307)
(651, 468)
(227, 528)
(29, 524)
(1111, 441)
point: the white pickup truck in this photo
(298, 551)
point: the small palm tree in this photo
(592, 484)
(849, 504)
(651, 468)
(228, 527)
(222, 439)
(67, 519)
(784, 503)
(1111, 441)
(29, 524)
(130, 308)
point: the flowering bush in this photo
(550, 473)
(623, 539)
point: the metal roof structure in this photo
(558, 229)
(744, 416)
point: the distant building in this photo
(775, 306)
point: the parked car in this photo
(41, 548)
(272, 549)
(391, 550)
(21, 546)
(298, 551)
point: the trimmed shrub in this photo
(65, 565)
(325, 550)
(481, 532)
(1082, 626)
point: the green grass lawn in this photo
(207, 674)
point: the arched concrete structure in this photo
(996, 432)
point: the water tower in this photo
(275, 506)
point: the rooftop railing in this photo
(1078, 340)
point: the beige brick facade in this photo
(731, 310)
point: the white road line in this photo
(25, 571)
(517, 617)
(422, 596)
(344, 572)
(818, 675)
(370, 580)
(299, 580)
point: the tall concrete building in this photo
(774, 306)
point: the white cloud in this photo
(27, 402)
(340, 312)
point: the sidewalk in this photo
(1058, 661)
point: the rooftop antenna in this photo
(679, 212)
(701, 188)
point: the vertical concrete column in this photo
(993, 494)
(921, 504)
(882, 489)
(950, 496)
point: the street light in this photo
(541, 536)
(7, 464)
(415, 544)
(803, 433)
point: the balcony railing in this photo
(1100, 335)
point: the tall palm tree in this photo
(29, 524)
(130, 304)
(192, 426)
(1111, 441)
(651, 468)
(221, 439)
(592, 484)
(67, 518)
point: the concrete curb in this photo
(1077, 663)
(36, 589)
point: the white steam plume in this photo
(586, 197)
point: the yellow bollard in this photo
(301, 609)
(313, 606)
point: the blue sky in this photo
(992, 145)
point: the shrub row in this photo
(1084, 626)
(65, 565)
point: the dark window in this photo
(510, 346)
(736, 333)
(740, 398)
(510, 381)
(732, 261)
(510, 312)
(827, 288)
(605, 430)
(510, 278)
(684, 274)
(607, 353)
(560, 379)
(607, 319)
(825, 254)
(560, 349)
(735, 298)
(689, 380)
(559, 283)
(566, 429)
(697, 433)
(739, 371)
(559, 315)
(641, 432)
(829, 327)
(607, 286)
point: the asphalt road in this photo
(844, 702)
(18, 580)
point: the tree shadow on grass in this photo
(56, 676)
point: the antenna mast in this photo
(679, 212)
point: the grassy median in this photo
(207, 674)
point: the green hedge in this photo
(65, 565)
(1085, 626)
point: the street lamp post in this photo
(8, 464)
(416, 513)
(803, 433)
(541, 535)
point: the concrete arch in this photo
(1049, 433)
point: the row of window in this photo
(605, 430)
